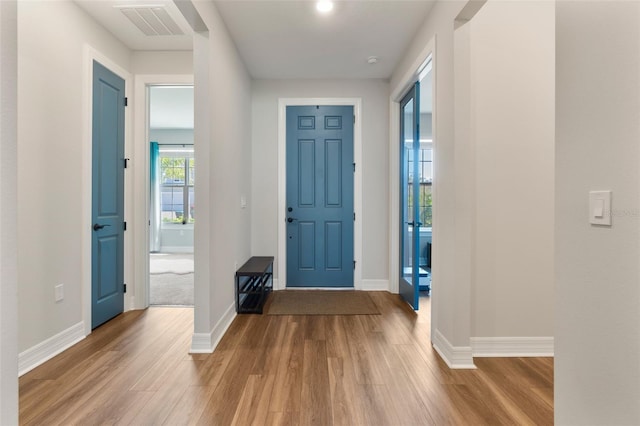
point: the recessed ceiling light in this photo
(324, 6)
(372, 60)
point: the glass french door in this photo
(409, 196)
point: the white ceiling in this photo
(288, 39)
(171, 107)
(109, 14)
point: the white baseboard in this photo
(512, 346)
(276, 284)
(375, 285)
(205, 343)
(201, 343)
(44, 351)
(176, 249)
(457, 357)
(130, 303)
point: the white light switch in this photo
(600, 208)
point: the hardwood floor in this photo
(281, 370)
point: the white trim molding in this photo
(276, 284)
(411, 75)
(512, 346)
(456, 357)
(375, 285)
(176, 249)
(139, 201)
(44, 351)
(281, 261)
(201, 343)
(206, 343)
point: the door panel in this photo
(307, 246)
(107, 258)
(320, 196)
(306, 173)
(409, 282)
(333, 181)
(107, 253)
(333, 245)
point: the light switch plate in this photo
(600, 208)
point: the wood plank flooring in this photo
(281, 370)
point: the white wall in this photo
(8, 214)
(493, 149)
(264, 163)
(50, 171)
(171, 136)
(223, 157)
(176, 238)
(450, 308)
(162, 62)
(597, 362)
(513, 123)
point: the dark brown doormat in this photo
(320, 302)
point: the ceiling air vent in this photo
(152, 20)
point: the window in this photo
(425, 178)
(177, 173)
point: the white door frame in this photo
(280, 282)
(397, 94)
(140, 163)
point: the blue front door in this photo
(107, 256)
(319, 206)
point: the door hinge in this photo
(126, 162)
(126, 101)
(125, 226)
(354, 167)
(125, 287)
(354, 264)
(354, 215)
(354, 119)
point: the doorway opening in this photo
(416, 187)
(171, 196)
(425, 177)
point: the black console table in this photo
(254, 281)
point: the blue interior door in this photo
(409, 282)
(107, 257)
(320, 212)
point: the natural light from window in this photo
(177, 174)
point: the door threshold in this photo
(321, 288)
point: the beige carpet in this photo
(171, 289)
(320, 302)
(171, 279)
